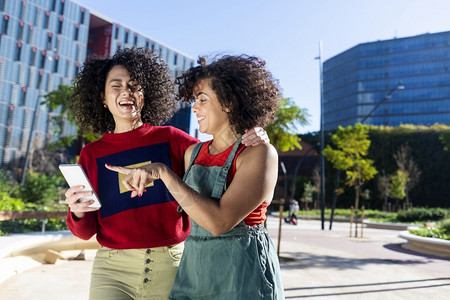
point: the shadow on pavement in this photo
(369, 285)
(399, 248)
(300, 260)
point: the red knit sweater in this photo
(141, 222)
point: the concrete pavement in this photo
(315, 263)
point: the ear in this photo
(102, 96)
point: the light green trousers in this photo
(134, 273)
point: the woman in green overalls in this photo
(227, 186)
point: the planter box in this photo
(426, 245)
(391, 226)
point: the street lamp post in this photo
(322, 141)
(30, 138)
(399, 86)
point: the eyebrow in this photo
(200, 93)
(120, 80)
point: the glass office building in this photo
(43, 44)
(355, 81)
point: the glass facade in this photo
(356, 80)
(43, 43)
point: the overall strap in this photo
(193, 157)
(220, 185)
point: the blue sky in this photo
(286, 33)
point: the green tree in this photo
(309, 190)
(445, 139)
(283, 132)
(384, 186)
(398, 185)
(352, 145)
(41, 189)
(408, 166)
(59, 101)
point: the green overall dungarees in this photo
(239, 264)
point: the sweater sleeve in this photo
(87, 226)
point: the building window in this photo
(60, 25)
(19, 51)
(39, 81)
(58, 44)
(116, 32)
(46, 19)
(42, 59)
(23, 97)
(21, 30)
(54, 5)
(37, 20)
(175, 58)
(147, 43)
(55, 64)
(61, 7)
(135, 39)
(5, 25)
(22, 10)
(126, 36)
(82, 15)
(68, 66)
(33, 56)
(49, 41)
(77, 31)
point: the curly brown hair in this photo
(145, 67)
(242, 84)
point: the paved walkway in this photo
(319, 264)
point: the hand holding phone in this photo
(74, 175)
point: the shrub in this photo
(445, 225)
(422, 214)
(9, 203)
(7, 184)
(41, 189)
(437, 233)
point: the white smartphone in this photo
(74, 175)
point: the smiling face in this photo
(212, 117)
(124, 98)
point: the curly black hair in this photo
(242, 84)
(145, 67)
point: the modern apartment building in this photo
(356, 80)
(43, 43)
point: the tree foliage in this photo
(59, 100)
(309, 190)
(383, 186)
(283, 132)
(397, 188)
(408, 166)
(445, 139)
(352, 145)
